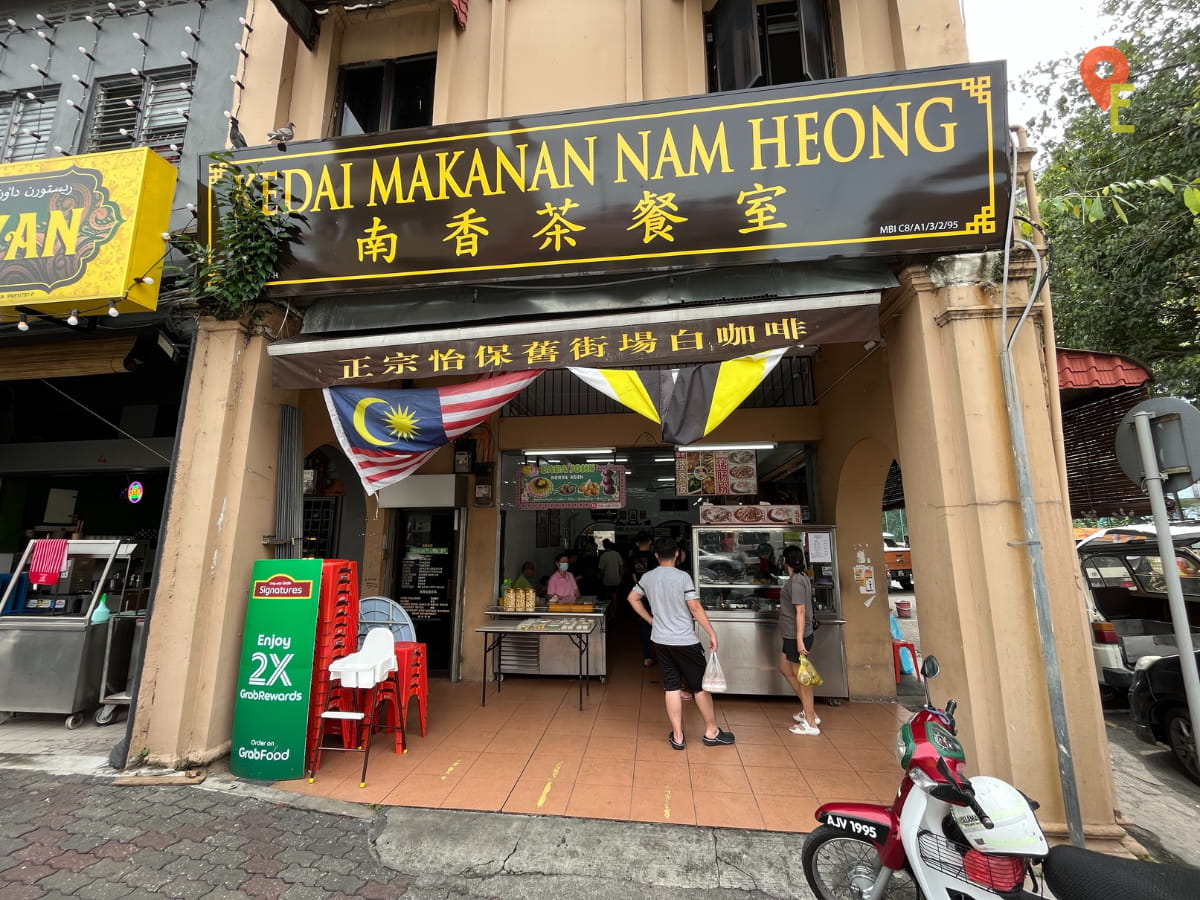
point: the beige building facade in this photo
(929, 395)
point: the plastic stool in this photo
(413, 678)
(897, 646)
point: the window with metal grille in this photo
(558, 392)
(25, 121)
(751, 43)
(149, 111)
(386, 96)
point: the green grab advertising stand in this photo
(270, 712)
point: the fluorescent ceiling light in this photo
(560, 451)
(664, 459)
(672, 478)
(750, 445)
(608, 459)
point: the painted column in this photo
(222, 502)
(977, 614)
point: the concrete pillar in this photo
(977, 616)
(222, 502)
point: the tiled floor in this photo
(531, 750)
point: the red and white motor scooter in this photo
(949, 837)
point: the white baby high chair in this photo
(361, 672)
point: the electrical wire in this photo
(112, 425)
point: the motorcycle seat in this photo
(1076, 874)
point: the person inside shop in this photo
(641, 561)
(527, 578)
(611, 569)
(562, 583)
(796, 623)
(677, 612)
(766, 570)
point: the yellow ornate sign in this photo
(77, 232)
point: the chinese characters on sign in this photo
(800, 171)
(716, 472)
(575, 344)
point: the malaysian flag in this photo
(460, 12)
(388, 435)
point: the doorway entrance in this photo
(424, 579)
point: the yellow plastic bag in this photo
(807, 673)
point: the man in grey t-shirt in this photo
(677, 607)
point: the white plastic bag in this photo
(714, 677)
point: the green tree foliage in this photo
(1123, 210)
(226, 278)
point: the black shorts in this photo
(681, 665)
(791, 649)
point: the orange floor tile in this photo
(532, 750)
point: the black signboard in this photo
(889, 163)
(425, 578)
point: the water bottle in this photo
(101, 613)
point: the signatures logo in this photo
(52, 226)
(284, 586)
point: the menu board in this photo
(716, 472)
(712, 514)
(571, 486)
(424, 589)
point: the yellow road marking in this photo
(667, 804)
(549, 784)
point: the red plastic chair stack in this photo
(337, 636)
(414, 678)
(411, 679)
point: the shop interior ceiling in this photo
(33, 412)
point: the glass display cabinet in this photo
(740, 590)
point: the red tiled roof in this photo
(1082, 369)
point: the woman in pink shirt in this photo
(562, 583)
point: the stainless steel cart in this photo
(51, 654)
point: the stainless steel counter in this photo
(749, 648)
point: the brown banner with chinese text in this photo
(679, 336)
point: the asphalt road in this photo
(1153, 791)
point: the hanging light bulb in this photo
(113, 8)
(146, 279)
(39, 70)
(141, 40)
(94, 22)
(87, 53)
(195, 35)
(23, 323)
(242, 21)
(81, 82)
(186, 56)
(73, 318)
(12, 23)
(30, 95)
(234, 79)
(185, 86)
(45, 37)
(144, 8)
(60, 151)
(112, 309)
(237, 45)
(137, 72)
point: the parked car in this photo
(720, 568)
(899, 561)
(1160, 711)
(1127, 597)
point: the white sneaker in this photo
(804, 728)
(800, 717)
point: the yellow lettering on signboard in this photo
(947, 127)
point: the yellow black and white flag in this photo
(688, 402)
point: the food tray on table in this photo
(564, 624)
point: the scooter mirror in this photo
(930, 667)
